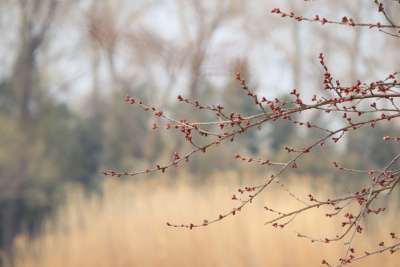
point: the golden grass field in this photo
(126, 226)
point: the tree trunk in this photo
(22, 85)
(9, 227)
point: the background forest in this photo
(65, 67)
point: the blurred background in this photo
(67, 65)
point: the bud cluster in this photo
(358, 105)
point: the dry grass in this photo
(126, 227)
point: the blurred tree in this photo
(368, 146)
(207, 17)
(34, 22)
(281, 133)
(34, 195)
(120, 126)
(7, 99)
(234, 101)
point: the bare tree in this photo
(359, 104)
(35, 19)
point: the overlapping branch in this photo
(359, 105)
